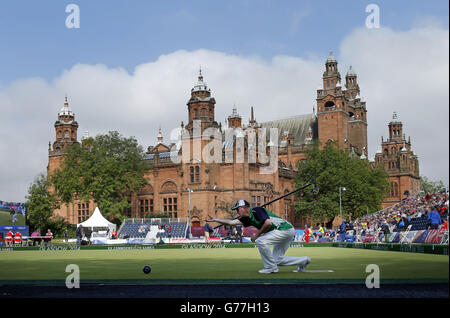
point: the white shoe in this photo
(268, 270)
(302, 267)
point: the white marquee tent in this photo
(98, 222)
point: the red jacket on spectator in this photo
(18, 238)
(9, 236)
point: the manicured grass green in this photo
(6, 219)
(224, 265)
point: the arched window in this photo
(329, 104)
(169, 187)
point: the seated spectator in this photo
(401, 225)
(9, 238)
(18, 238)
(385, 230)
(48, 237)
(445, 225)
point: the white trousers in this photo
(280, 240)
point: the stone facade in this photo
(396, 157)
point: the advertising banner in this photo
(421, 238)
(435, 236)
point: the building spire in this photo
(200, 76)
(160, 136)
(394, 116)
(65, 110)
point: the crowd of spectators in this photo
(433, 207)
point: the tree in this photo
(330, 168)
(427, 185)
(40, 203)
(107, 169)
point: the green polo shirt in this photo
(259, 215)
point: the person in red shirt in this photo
(9, 238)
(18, 238)
(445, 225)
(306, 235)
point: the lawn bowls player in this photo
(272, 231)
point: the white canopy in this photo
(98, 221)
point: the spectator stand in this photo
(153, 230)
(406, 220)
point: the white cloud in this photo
(405, 72)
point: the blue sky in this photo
(36, 42)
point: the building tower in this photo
(399, 161)
(234, 120)
(357, 114)
(66, 129)
(341, 115)
(331, 104)
(201, 106)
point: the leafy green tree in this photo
(330, 168)
(427, 185)
(107, 169)
(40, 204)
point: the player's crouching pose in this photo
(272, 230)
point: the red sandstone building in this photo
(182, 183)
(396, 157)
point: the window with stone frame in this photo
(170, 206)
(192, 174)
(83, 212)
(197, 174)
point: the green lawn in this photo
(218, 265)
(6, 219)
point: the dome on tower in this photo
(201, 85)
(331, 58)
(234, 113)
(351, 71)
(65, 110)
